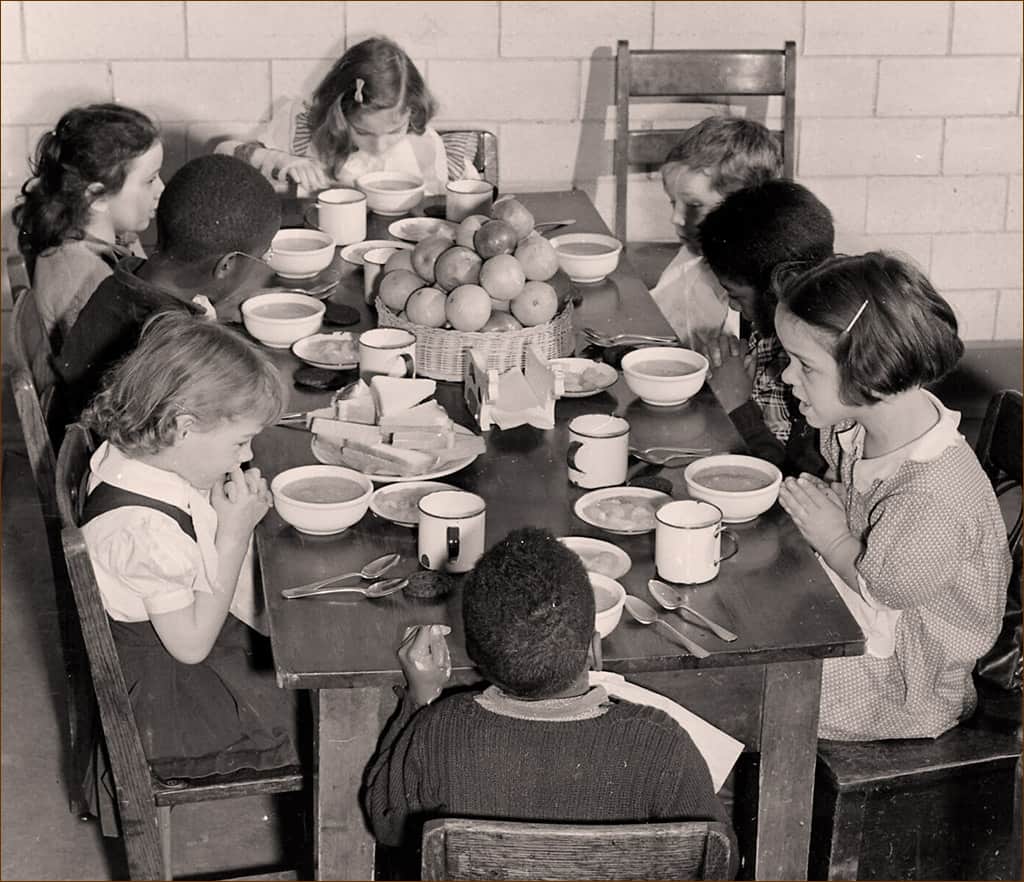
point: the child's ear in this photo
(95, 194)
(225, 265)
(594, 652)
(183, 424)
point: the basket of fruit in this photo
(489, 289)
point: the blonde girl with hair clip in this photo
(911, 535)
(169, 522)
(371, 112)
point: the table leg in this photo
(347, 729)
(789, 741)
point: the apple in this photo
(495, 237)
(426, 253)
(457, 266)
(515, 214)
(467, 229)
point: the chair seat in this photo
(178, 791)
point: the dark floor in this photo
(39, 837)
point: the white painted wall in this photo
(909, 113)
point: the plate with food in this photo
(398, 503)
(438, 467)
(355, 252)
(338, 351)
(597, 555)
(416, 229)
(625, 510)
(583, 376)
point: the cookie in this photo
(340, 314)
(321, 379)
(428, 585)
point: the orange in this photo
(502, 321)
(426, 307)
(467, 229)
(401, 259)
(396, 286)
(538, 257)
(515, 214)
(537, 304)
(495, 237)
(468, 308)
(502, 277)
(457, 266)
(426, 253)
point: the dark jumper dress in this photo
(216, 717)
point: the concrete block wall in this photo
(909, 113)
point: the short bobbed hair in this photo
(905, 336)
(183, 365)
(215, 204)
(735, 152)
(755, 229)
(528, 613)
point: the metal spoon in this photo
(551, 226)
(372, 570)
(672, 457)
(380, 588)
(601, 339)
(645, 614)
(668, 598)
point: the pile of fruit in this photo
(492, 277)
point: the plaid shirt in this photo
(770, 393)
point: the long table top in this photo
(772, 593)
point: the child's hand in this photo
(240, 500)
(817, 510)
(731, 376)
(278, 165)
(423, 655)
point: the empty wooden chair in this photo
(479, 146)
(144, 802)
(947, 808)
(692, 75)
(458, 848)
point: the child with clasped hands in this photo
(168, 523)
(910, 533)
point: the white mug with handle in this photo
(688, 541)
(387, 351)
(451, 530)
(598, 451)
(341, 213)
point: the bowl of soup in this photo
(300, 253)
(391, 193)
(587, 257)
(279, 318)
(741, 486)
(609, 599)
(321, 499)
(664, 375)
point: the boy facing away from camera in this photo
(714, 158)
(755, 233)
(539, 743)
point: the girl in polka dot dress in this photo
(911, 534)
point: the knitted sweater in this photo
(595, 759)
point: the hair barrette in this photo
(358, 96)
(856, 316)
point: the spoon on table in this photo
(645, 614)
(601, 339)
(380, 588)
(668, 598)
(669, 457)
(372, 570)
(545, 227)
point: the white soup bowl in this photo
(280, 318)
(321, 518)
(737, 505)
(663, 390)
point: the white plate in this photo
(416, 229)
(583, 544)
(354, 253)
(577, 365)
(606, 492)
(302, 350)
(381, 495)
(327, 456)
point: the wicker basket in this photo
(440, 354)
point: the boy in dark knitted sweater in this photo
(539, 743)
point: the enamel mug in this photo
(341, 213)
(388, 351)
(598, 451)
(466, 197)
(688, 541)
(373, 264)
(451, 531)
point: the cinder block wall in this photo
(909, 113)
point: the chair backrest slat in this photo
(484, 145)
(999, 448)
(707, 72)
(460, 848)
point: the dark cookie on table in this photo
(340, 314)
(429, 585)
(652, 482)
(321, 379)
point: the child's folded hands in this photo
(731, 376)
(241, 500)
(818, 511)
(423, 654)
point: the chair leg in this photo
(163, 820)
(847, 834)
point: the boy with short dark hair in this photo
(745, 240)
(539, 743)
(214, 213)
(712, 159)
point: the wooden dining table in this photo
(763, 688)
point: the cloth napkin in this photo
(876, 620)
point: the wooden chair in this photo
(946, 808)
(144, 802)
(698, 75)
(479, 145)
(458, 848)
(18, 276)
